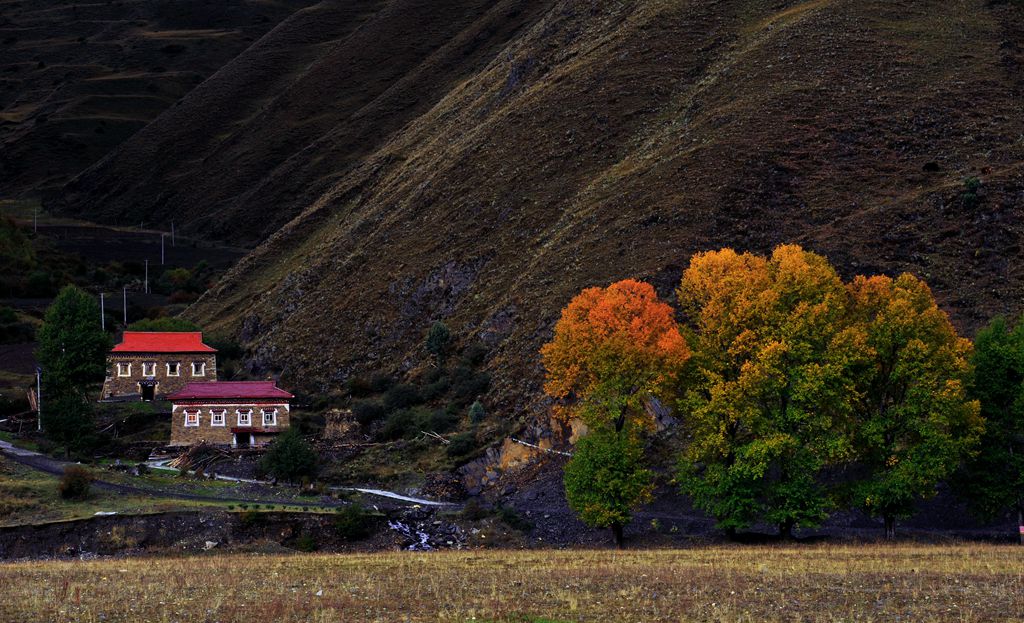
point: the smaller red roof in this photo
(162, 342)
(219, 390)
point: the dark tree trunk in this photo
(786, 530)
(1020, 523)
(617, 534)
(890, 527)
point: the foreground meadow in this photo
(721, 583)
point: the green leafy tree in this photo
(438, 339)
(769, 404)
(993, 482)
(164, 323)
(290, 457)
(72, 347)
(914, 421)
(605, 479)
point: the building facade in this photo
(148, 365)
(237, 413)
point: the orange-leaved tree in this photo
(613, 349)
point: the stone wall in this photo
(128, 386)
(182, 435)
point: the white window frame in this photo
(202, 368)
(150, 365)
(218, 414)
(126, 370)
(177, 369)
(248, 417)
(273, 414)
(192, 413)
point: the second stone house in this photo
(149, 365)
(237, 413)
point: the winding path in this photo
(52, 466)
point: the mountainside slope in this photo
(588, 142)
(77, 79)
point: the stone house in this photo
(237, 413)
(152, 364)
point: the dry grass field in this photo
(793, 583)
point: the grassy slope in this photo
(617, 141)
(813, 583)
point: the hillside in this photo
(481, 162)
(78, 78)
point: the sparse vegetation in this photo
(75, 483)
(795, 583)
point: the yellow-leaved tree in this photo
(776, 363)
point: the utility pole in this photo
(103, 314)
(172, 233)
(145, 284)
(162, 249)
(124, 305)
(39, 399)
(35, 220)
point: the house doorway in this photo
(241, 440)
(148, 392)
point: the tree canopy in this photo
(767, 408)
(613, 349)
(164, 323)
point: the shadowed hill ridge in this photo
(526, 153)
(77, 78)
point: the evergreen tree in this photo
(438, 338)
(68, 421)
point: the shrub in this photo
(477, 412)
(439, 421)
(358, 386)
(398, 425)
(402, 396)
(513, 519)
(970, 196)
(474, 355)
(75, 483)
(461, 445)
(381, 382)
(305, 543)
(367, 411)
(468, 385)
(290, 457)
(353, 522)
(435, 390)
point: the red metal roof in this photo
(218, 390)
(162, 342)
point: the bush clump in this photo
(461, 445)
(75, 483)
(290, 457)
(477, 412)
(367, 412)
(402, 396)
(353, 522)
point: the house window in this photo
(191, 417)
(173, 369)
(245, 417)
(149, 369)
(198, 368)
(217, 417)
(124, 369)
(270, 417)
